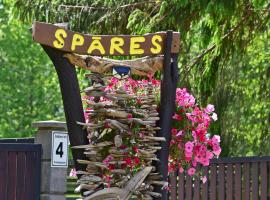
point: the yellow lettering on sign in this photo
(60, 34)
(77, 40)
(116, 44)
(135, 47)
(96, 45)
(156, 40)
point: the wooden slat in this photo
(238, 182)
(30, 160)
(255, 181)
(3, 174)
(221, 182)
(196, 189)
(263, 185)
(229, 182)
(213, 182)
(173, 192)
(188, 188)
(45, 34)
(181, 186)
(246, 194)
(12, 175)
(21, 176)
(205, 187)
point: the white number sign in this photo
(59, 149)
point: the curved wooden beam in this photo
(141, 66)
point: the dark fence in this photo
(19, 170)
(228, 178)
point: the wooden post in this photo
(167, 107)
(72, 102)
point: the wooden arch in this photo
(57, 41)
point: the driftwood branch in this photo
(126, 192)
(141, 66)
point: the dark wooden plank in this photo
(246, 190)
(167, 108)
(188, 188)
(72, 102)
(30, 183)
(205, 187)
(264, 184)
(173, 183)
(12, 175)
(38, 155)
(229, 182)
(21, 175)
(45, 34)
(181, 186)
(213, 182)
(221, 181)
(196, 188)
(238, 182)
(3, 174)
(255, 181)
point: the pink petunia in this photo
(204, 179)
(174, 131)
(189, 146)
(216, 150)
(191, 171)
(209, 108)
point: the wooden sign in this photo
(102, 45)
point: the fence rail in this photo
(246, 178)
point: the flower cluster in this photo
(191, 143)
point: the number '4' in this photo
(59, 150)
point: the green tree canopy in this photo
(224, 56)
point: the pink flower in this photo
(73, 172)
(177, 117)
(180, 133)
(215, 139)
(181, 170)
(209, 108)
(209, 155)
(204, 179)
(174, 131)
(189, 147)
(191, 171)
(216, 150)
(129, 116)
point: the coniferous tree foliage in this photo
(224, 56)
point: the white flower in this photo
(214, 116)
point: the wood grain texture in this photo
(167, 108)
(238, 181)
(12, 175)
(255, 181)
(213, 182)
(21, 176)
(229, 182)
(3, 174)
(44, 34)
(72, 103)
(246, 194)
(221, 181)
(140, 66)
(173, 192)
(181, 186)
(264, 182)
